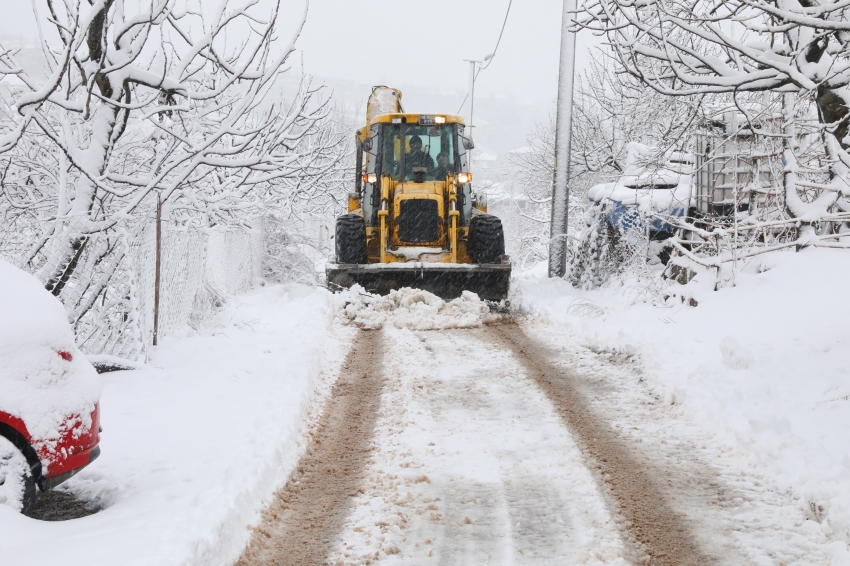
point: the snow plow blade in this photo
(446, 280)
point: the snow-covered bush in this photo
(292, 249)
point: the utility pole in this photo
(563, 135)
(472, 63)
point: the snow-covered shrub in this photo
(292, 250)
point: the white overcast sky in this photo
(413, 42)
(414, 45)
(425, 42)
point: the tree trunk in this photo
(833, 109)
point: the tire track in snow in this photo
(302, 522)
(661, 535)
(735, 512)
(473, 465)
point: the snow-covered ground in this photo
(744, 394)
(763, 366)
(196, 442)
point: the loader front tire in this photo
(351, 239)
(486, 239)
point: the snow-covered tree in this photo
(610, 110)
(795, 50)
(176, 100)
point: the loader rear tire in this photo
(486, 239)
(351, 239)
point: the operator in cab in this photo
(416, 157)
(443, 168)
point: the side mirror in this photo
(367, 144)
(468, 144)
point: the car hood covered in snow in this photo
(44, 379)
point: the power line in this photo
(489, 58)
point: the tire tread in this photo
(486, 239)
(351, 239)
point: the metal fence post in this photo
(158, 268)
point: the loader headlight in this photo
(439, 119)
(370, 178)
(464, 178)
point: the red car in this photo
(49, 393)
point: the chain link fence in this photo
(107, 279)
(199, 268)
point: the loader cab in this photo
(392, 150)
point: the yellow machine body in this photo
(419, 216)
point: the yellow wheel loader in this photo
(413, 219)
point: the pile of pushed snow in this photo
(414, 309)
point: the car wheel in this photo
(17, 485)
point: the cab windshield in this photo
(418, 153)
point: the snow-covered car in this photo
(49, 393)
(643, 194)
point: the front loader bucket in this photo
(446, 280)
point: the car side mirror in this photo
(468, 144)
(367, 144)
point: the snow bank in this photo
(195, 443)
(414, 309)
(765, 364)
(36, 383)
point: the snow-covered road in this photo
(477, 459)
(477, 439)
(472, 465)
(734, 514)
